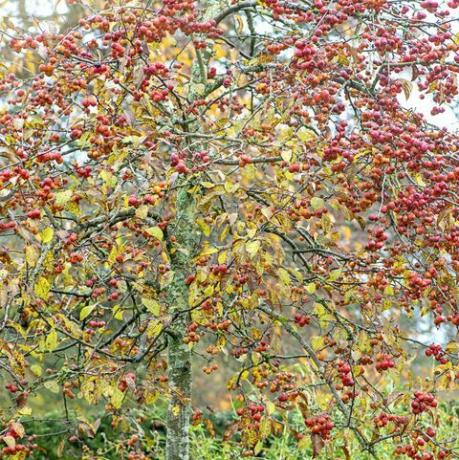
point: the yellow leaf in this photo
(10, 441)
(51, 340)
(52, 386)
(335, 274)
(230, 187)
(252, 247)
(207, 250)
(317, 343)
(117, 398)
(311, 288)
(117, 313)
(284, 276)
(47, 235)
(156, 232)
(150, 398)
(286, 155)
(109, 179)
(204, 227)
(452, 347)
(270, 408)
(222, 257)
(153, 329)
(152, 306)
(36, 369)
(31, 255)
(305, 134)
(176, 410)
(62, 198)
(26, 410)
(86, 311)
(42, 288)
(141, 212)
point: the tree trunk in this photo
(179, 354)
(187, 239)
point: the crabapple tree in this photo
(186, 184)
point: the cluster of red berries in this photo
(422, 401)
(12, 450)
(379, 236)
(321, 425)
(384, 418)
(255, 411)
(384, 362)
(344, 371)
(96, 324)
(178, 164)
(302, 320)
(209, 369)
(220, 269)
(50, 156)
(437, 352)
(192, 336)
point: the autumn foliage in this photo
(212, 187)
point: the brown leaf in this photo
(317, 445)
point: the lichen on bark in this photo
(179, 354)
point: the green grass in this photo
(105, 442)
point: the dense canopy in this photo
(237, 188)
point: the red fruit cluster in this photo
(134, 201)
(379, 236)
(437, 352)
(220, 269)
(321, 425)
(422, 401)
(344, 371)
(383, 419)
(12, 450)
(50, 156)
(192, 336)
(302, 320)
(255, 411)
(96, 324)
(384, 362)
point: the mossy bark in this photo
(179, 354)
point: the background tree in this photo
(188, 184)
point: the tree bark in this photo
(187, 240)
(179, 354)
